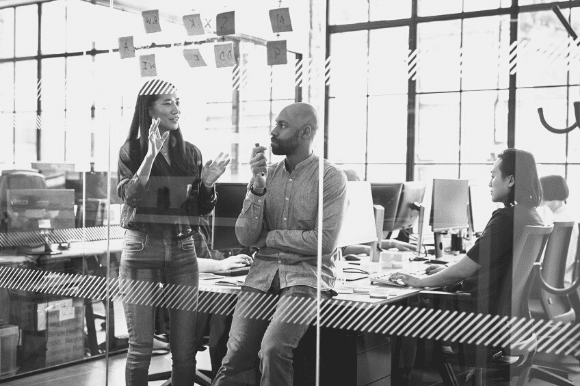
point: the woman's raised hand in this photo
(213, 170)
(156, 140)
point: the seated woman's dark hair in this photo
(521, 165)
(554, 187)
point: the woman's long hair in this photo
(150, 92)
(521, 164)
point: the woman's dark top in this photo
(493, 251)
(171, 201)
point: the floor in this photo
(94, 373)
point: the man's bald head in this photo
(302, 114)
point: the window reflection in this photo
(542, 49)
(349, 52)
(530, 134)
(437, 128)
(6, 33)
(483, 125)
(25, 87)
(439, 56)
(27, 30)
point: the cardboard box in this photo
(8, 343)
(4, 306)
(61, 340)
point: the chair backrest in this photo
(557, 308)
(515, 292)
(17, 179)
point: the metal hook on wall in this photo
(576, 124)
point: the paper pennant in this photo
(151, 21)
(193, 25)
(194, 58)
(126, 47)
(147, 65)
(225, 23)
(277, 52)
(280, 20)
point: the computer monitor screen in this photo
(408, 211)
(358, 225)
(228, 207)
(387, 195)
(449, 205)
(96, 185)
(480, 207)
(36, 209)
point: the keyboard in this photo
(234, 271)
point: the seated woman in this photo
(514, 182)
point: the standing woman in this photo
(164, 188)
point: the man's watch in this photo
(257, 193)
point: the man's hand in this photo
(261, 242)
(259, 166)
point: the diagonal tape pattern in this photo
(470, 328)
(16, 239)
(298, 72)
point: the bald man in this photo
(280, 217)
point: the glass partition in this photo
(70, 298)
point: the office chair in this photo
(574, 295)
(550, 306)
(513, 302)
(554, 305)
(16, 179)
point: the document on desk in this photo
(209, 276)
(233, 282)
(384, 293)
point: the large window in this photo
(447, 77)
(66, 98)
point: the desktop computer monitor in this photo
(387, 195)
(449, 208)
(40, 209)
(358, 226)
(409, 204)
(480, 207)
(96, 185)
(228, 207)
(411, 210)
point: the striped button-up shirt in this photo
(289, 211)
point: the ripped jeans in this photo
(159, 272)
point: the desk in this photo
(348, 356)
(74, 261)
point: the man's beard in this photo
(286, 146)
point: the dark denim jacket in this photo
(169, 201)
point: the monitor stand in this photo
(47, 245)
(438, 241)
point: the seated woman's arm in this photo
(400, 245)
(237, 261)
(463, 269)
